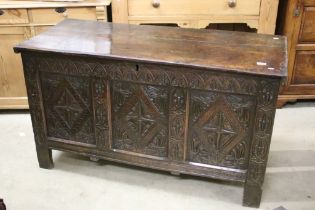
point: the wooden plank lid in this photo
(208, 49)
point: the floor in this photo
(77, 183)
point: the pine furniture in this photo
(259, 14)
(199, 102)
(21, 20)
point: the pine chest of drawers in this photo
(21, 20)
(188, 101)
(257, 14)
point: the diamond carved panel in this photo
(69, 108)
(67, 102)
(140, 118)
(219, 129)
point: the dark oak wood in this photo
(210, 48)
(299, 27)
(181, 100)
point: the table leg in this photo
(44, 156)
(252, 195)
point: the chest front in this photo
(159, 112)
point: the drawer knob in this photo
(156, 3)
(60, 10)
(232, 3)
(1, 12)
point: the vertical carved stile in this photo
(187, 108)
(109, 112)
(177, 123)
(35, 100)
(265, 113)
(31, 74)
(101, 113)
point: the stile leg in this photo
(255, 178)
(259, 149)
(44, 156)
(252, 195)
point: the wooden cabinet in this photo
(259, 14)
(12, 86)
(299, 27)
(307, 33)
(20, 20)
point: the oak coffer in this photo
(189, 101)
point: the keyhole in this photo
(137, 67)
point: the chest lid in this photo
(242, 52)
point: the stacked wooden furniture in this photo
(20, 20)
(259, 14)
(160, 97)
(299, 27)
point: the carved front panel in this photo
(68, 107)
(140, 118)
(149, 109)
(219, 128)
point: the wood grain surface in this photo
(224, 50)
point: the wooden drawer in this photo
(304, 69)
(307, 33)
(55, 15)
(196, 7)
(13, 16)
